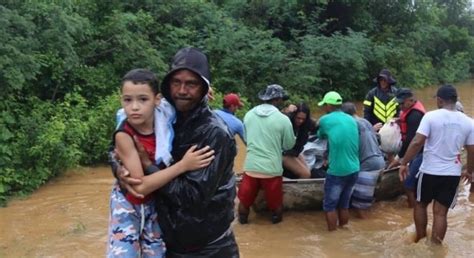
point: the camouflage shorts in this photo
(133, 229)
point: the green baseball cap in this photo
(331, 98)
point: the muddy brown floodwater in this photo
(67, 217)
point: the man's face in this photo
(278, 102)
(186, 90)
(326, 108)
(407, 103)
(383, 83)
(233, 108)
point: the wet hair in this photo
(302, 107)
(142, 76)
(302, 132)
(349, 108)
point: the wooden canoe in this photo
(307, 194)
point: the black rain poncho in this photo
(197, 208)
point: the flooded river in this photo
(67, 217)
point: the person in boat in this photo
(371, 161)
(412, 111)
(442, 133)
(294, 164)
(196, 209)
(230, 104)
(380, 104)
(268, 133)
(340, 129)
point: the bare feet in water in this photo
(361, 214)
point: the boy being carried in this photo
(133, 225)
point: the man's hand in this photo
(466, 177)
(377, 126)
(289, 109)
(403, 172)
(395, 162)
(390, 157)
(325, 163)
(144, 159)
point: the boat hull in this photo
(308, 194)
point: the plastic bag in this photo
(313, 152)
(390, 137)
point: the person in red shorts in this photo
(268, 133)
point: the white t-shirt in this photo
(446, 133)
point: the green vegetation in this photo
(61, 61)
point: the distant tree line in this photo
(61, 61)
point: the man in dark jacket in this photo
(410, 118)
(196, 209)
(380, 104)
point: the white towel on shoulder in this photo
(165, 116)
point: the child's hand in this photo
(196, 159)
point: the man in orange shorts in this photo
(268, 133)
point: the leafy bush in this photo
(62, 62)
(40, 139)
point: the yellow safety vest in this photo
(383, 112)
